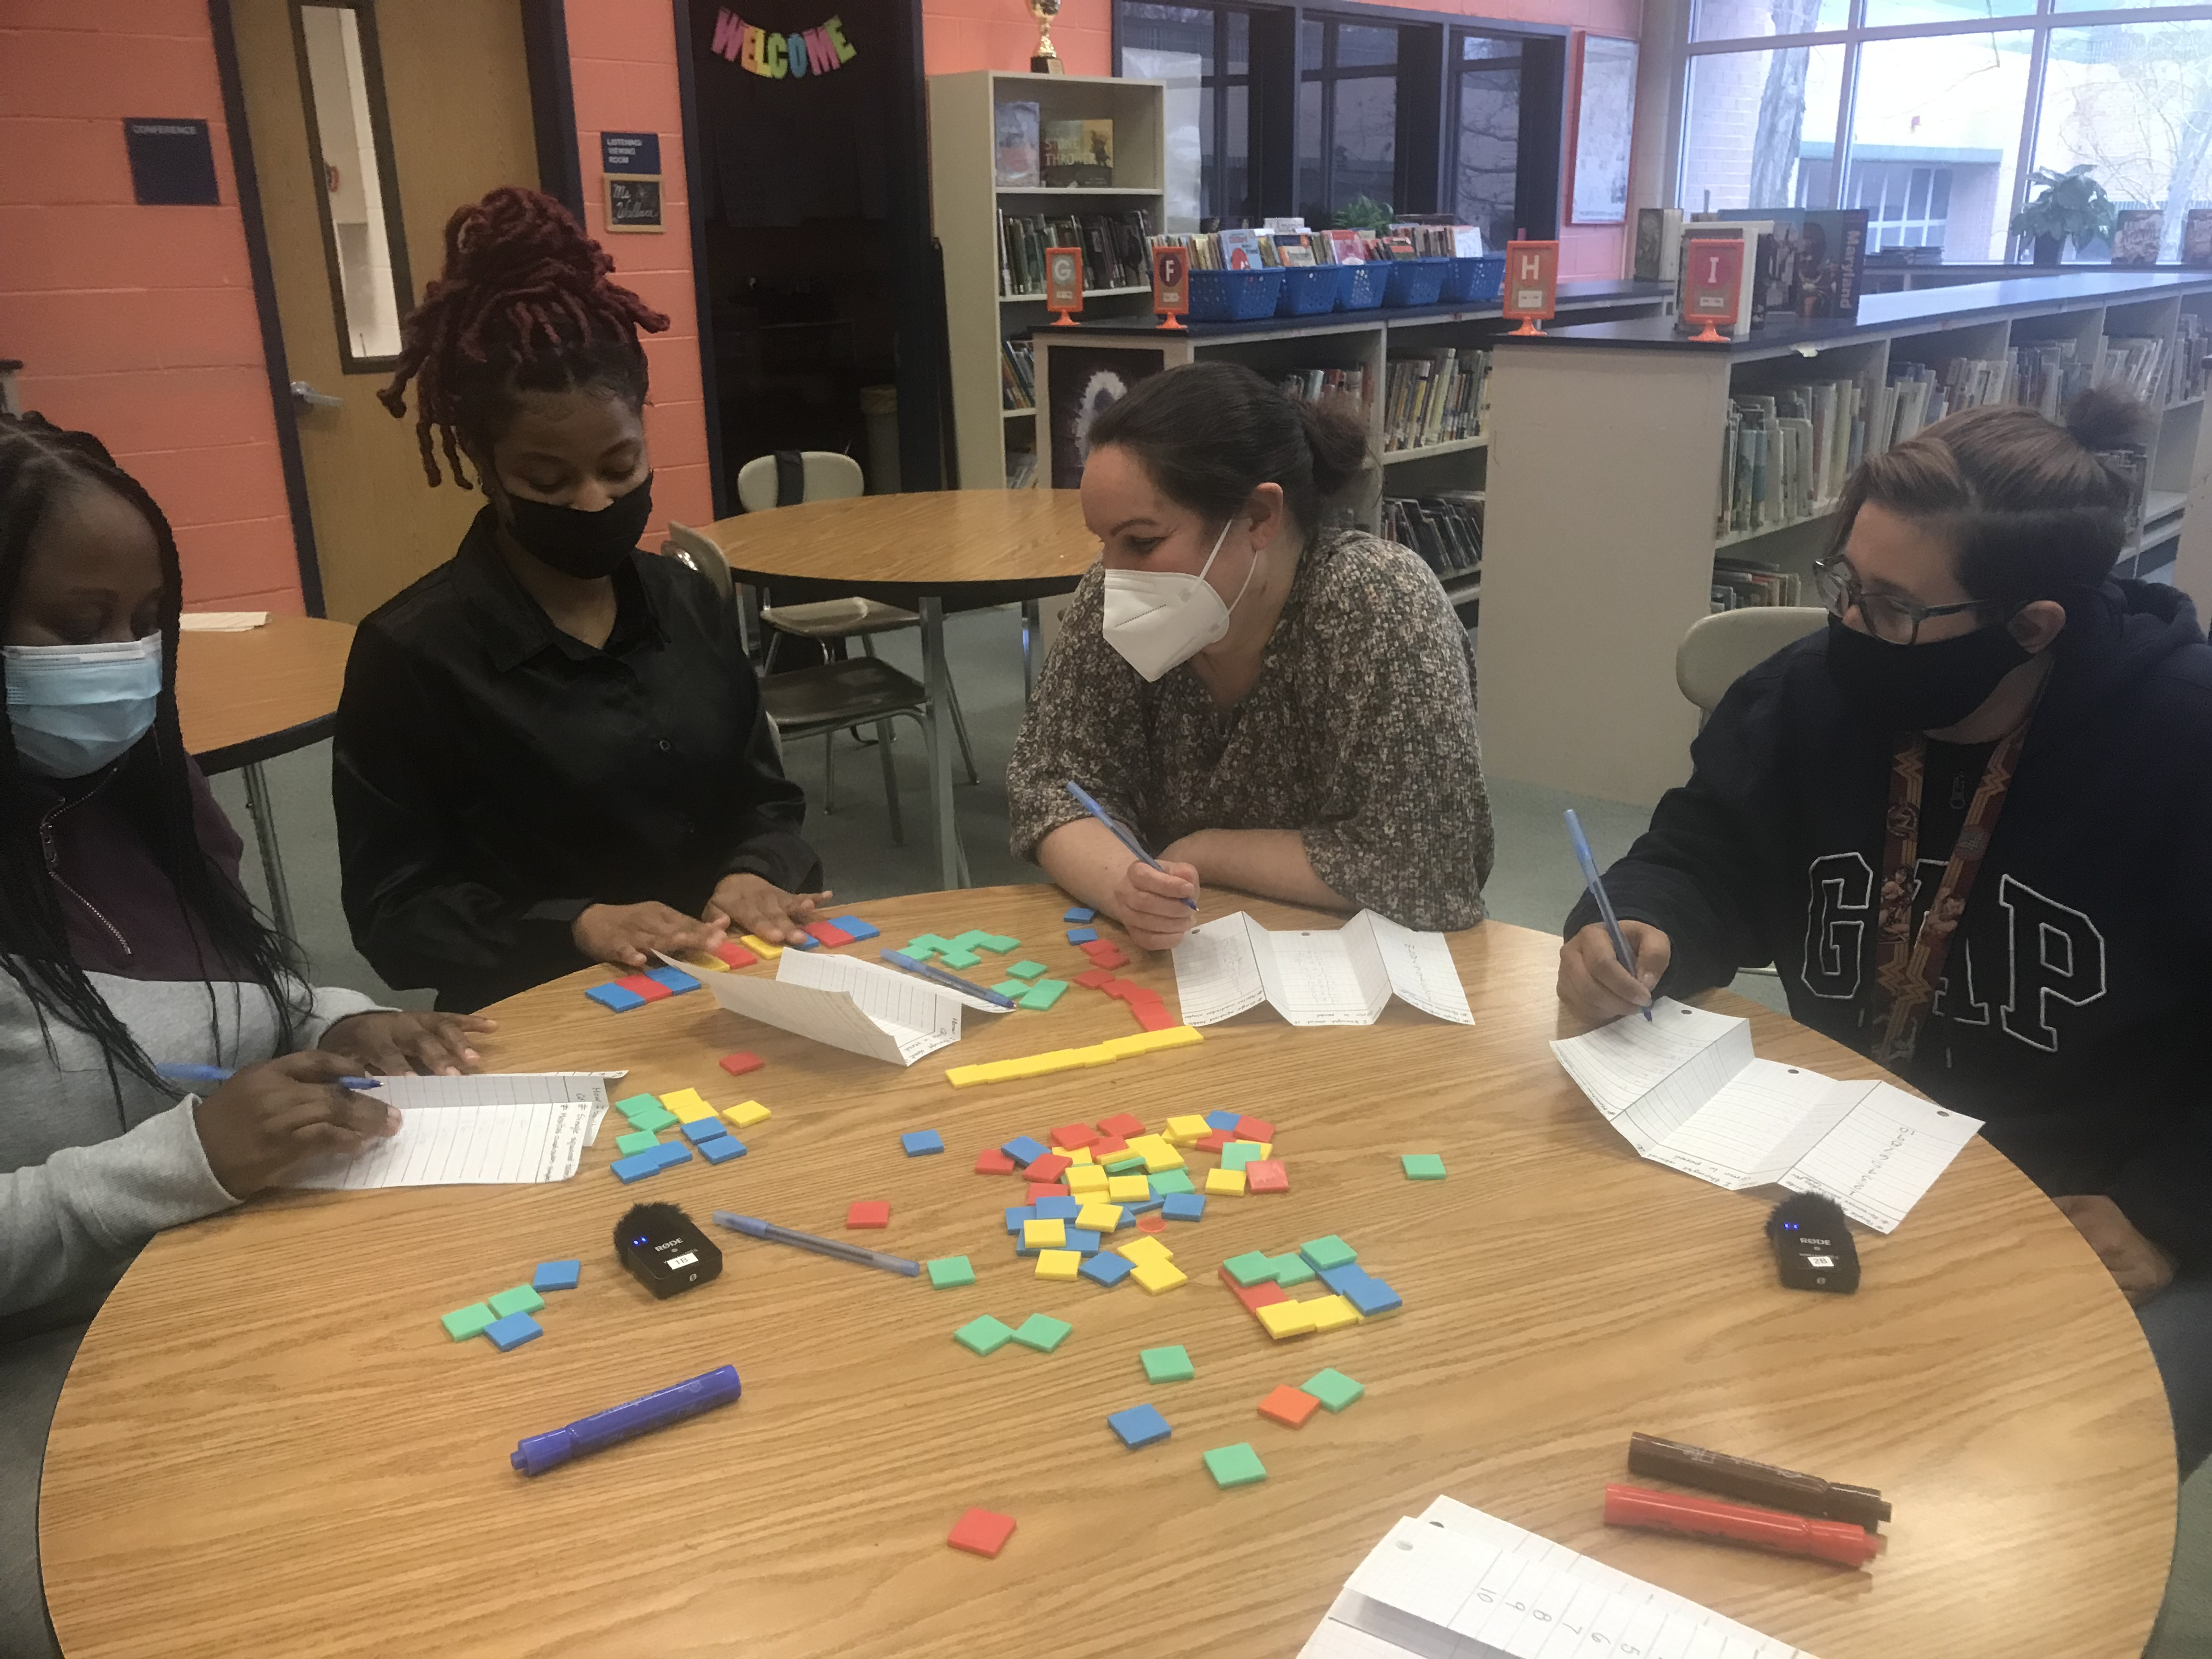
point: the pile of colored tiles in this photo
(503, 1320)
(643, 1153)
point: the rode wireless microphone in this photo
(1813, 1247)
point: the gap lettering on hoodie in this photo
(2055, 955)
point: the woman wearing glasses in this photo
(1969, 826)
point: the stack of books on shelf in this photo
(1017, 373)
(1786, 455)
(1434, 398)
(1444, 531)
(2192, 351)
(1113, 246)
(1314, 384)
(1021, 468)
(2046, 375)
(1738, 583)
(2133, 364)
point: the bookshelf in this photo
(1607, 448)
(968, 202)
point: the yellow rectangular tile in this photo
(746, 1113)
(1144, 1247)
(1332, 1313)
(1182, 1131)
(1039, 1235)
(1158, 1276)
(1285, 1319)
(1059, 1264)
(689, 1105)
(1086, 1179)
(1130, 1189)
(1098, 1218)
(1225, 1182)
(761, 948)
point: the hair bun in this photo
(2104, 417)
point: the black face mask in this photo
(581, 544)
(1920, 687)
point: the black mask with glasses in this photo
(1889, 617)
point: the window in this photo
(1759, 128)
(342, 78)
(1347, 115)
(1934, 117)
(1484, 113)
(2135, 100)
(1204, 54)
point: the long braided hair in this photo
(41, 465)
(523, 304)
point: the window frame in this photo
(2038, 20)
(387, 177)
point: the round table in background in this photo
(268, 1445)
(247, 698)
(925, 552)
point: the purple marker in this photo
(539, 1452)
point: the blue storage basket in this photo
(1309, 289)
(1234, 296)
(1362, 286)
(1414, 281)
(1477, 281)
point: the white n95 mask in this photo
(1159, 618)
(76, 707)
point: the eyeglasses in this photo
(1886, 617)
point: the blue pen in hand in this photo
(1083, 799)
(1596, 885)
(221, 1074)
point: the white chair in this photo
(1719, 649)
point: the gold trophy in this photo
(1047, 61)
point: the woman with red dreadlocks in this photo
(550, 750)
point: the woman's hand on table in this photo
(2138, 1266)
(399, 1044)
(627, 935)
(746, 904)
(1155, 905)
(1593, 982)
(269, 1119)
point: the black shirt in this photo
(495, 776)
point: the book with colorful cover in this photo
(1079, 153)
(1017, 135)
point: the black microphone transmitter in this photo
(1813, 1247)
(665, 1249)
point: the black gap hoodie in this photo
(2076, 1005)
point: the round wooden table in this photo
(268, 1445)
(924, 551)
(247, 697)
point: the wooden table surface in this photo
(268, 1445)
(938, 541)
(247, 696)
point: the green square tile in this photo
(1043, 1332)
(1253, 1268)
(1025, 969)
(1238, 1153)
(1292, 1270)
(635, 1141)
(1172, 1181)
(1012, 989)
(1168, 1364)
(947, 1272)
(652, 1119)
(632, 1106)
(1422, 1166)
(1124, 1163)
(926, 946)
(462, 1323)
(999, 943)
(523, 1298)
(984, 1335)
(1235, 1466)
(970, 939)
(1329, 1252)
(960, 958)
(1333, 1388)
(1044, 993)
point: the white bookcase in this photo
(1605, 460)
(968, 198)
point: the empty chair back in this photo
(1718, 649)
(815, 475)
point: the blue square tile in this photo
(1082, 1239)
(721, 1149)
(1081, 935)
(1058, 1209)
(1025, 1149)
(1139, 1425)
(1019, 1214)
(557, 1275)
(1106, 1269)
(513, 1331)
(1341, 1279)
(920, 1142)
(1183, 1206)
(856, 927)
(1372, 1296)
(674, 978)
(613, 996)
(1223, 1120)
(1079, 913)
(706, 1128)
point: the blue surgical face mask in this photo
(76, 707)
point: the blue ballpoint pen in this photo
(1596, 884)
(951, 981)
(223, 1073)
(1083, 799)
(859, 1255)
(537, 1453)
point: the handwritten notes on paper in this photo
(1685, 1090)
(1341, 976)
(849, 1004)
(1458, 1583)
(493, 1128)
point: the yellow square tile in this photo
(703, 964)
(746, 1113)
(1331, 1313)
(1039, 1235)
(1098, 1218)
(1057, 1264)
(1078, 1156)
(1230, 1183)
(1088, 1178)
(1285, 1319)
(761, 947)
(1182, 1131)
(1142, 1249)
(1132, 1188)
(1158, 1156)
(1158, 1276)
(689, 1105)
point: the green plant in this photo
(1364, 213)
(2072, 204)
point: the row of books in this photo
(1017, 373)
(1444, 531)
(1786, 454)
(1033, 152)
(1314, 384)
(2193, 358)
(1252, 250)
(1021, 468)
(1113, 248)
(2134, 364)
(1434, 397)
(1739, 583)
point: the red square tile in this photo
(1253, 1297)
(1106, 1147)
(1046, 1189)
(1121, 1124)
(1098, 947)
(1254, 1128)
(1266, 1175)
(1152, 1017)
(1290, 1406)
(735, 954)
(1213, 1139)
(639, 986)
(1092, 978)
(738, 1063)
(991, 1160)
(829, 933)
(1118, 989)
(1110, 959)
(1049, 1168)
(1072, 1135)
(982, 1532)
(869, 1212)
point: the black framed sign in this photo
(631, 164)
(172, 162)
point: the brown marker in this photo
(1754, 1483)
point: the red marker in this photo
(1768, 1530)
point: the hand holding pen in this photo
(267, 1120)
(1156, 900)
(1609, 968)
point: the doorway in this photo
(818, 290)
(369, 124)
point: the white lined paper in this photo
(491, 1128)
(859, 1007)
(1316, 976)
(1685, 1090)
